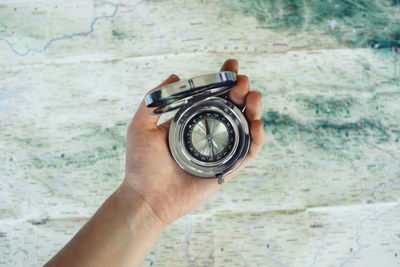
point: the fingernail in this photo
(258, 92)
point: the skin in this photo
(155, 191)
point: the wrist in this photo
(136, 210)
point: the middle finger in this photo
(238, 94)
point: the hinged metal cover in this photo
(177, 94)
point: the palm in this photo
(169, 185)
(154, 175)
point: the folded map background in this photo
(325, 189)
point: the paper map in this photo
(325, 189)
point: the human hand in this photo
(151, 173)
(155, 191)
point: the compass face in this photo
(209, 136)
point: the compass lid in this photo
(177, 94)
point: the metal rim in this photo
(236, 130)
(230, 162)
(177, 94)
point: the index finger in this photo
(238, 94)
(230, 65)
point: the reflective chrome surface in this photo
(210, 137)
(227, 164)
(177, 94)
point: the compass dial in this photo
(209, 136)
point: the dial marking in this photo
(209, 136)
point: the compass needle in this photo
(209, 136)
(207, 128)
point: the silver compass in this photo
(209, 136)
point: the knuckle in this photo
(244, 78)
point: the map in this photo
(325, 189)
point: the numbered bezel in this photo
(187, 136)
(204, 168)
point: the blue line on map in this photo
(2, 97)
(5, 95)
(63, 37)
(359, 226)
(269, 254)
(321, 246)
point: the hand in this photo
(152, 174)
(155, 191)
